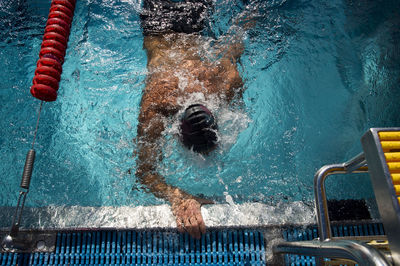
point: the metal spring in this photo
(28, 168)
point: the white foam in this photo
(217, 215)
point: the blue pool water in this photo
(317, 75)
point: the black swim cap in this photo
(198, 128)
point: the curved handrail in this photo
(355, 165)
(345, 249)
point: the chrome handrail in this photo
(355, 165)
(345, 249)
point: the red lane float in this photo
(52, 52)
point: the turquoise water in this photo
(317, 75)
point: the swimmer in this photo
(172, 41)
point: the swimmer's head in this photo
(198, 129)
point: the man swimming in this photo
(172, 41)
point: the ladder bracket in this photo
(28, 241)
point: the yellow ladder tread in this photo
(397, 188)
(396, 179)
(390, 145)
(389, 135)
(392, 156)
(394, 166)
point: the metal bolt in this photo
(40, 245)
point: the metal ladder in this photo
(381, 159)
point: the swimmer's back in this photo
(177, 70)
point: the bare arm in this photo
(185, 207)
(150, 130)
(231, 77)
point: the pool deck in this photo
(238, 234)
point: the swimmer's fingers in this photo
(201, 224)
(180, 224)
(193, 228)
(188, 224)
(196, 220)
(189, 219)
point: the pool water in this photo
(317, 75)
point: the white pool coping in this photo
(160, 216)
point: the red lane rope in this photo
(52, 52)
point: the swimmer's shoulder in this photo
(163, 102)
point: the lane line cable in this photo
(8, 243)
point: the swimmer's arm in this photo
(230, 46)
(185, 207)
(231, 51)
(228, 69)
(150, 130)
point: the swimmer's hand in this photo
(187, 212)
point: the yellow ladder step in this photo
(394, 166)
(397, 188)
(390, 145)
(392, 156)
(389, 135)
(396, 179)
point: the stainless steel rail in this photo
(383, 183)
(355, 165)
(345, 249)
(325, 247)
